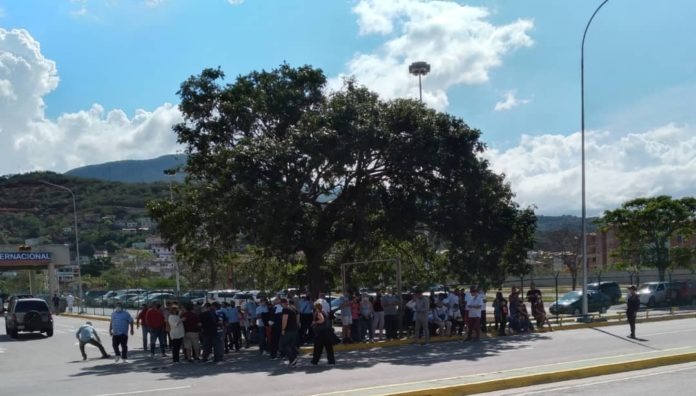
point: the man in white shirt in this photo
(475, 306)
(70, 300)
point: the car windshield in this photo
(647, 288)
(571, 296)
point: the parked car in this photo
(160, 297)
(657, 293)
(92, 295)
(571, 303)
(221, 295)
(192, 296)
(240, 299)
(683, 292)
(611, 289)
(28, 315)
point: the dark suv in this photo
(28, 314)
(611, 289)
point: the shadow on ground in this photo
(249, 361)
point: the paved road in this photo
(35, 365)
(678, 379)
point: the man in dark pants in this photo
(288, 332)
(306, 314)
(632, 307)
(118, 328)
(276, 317)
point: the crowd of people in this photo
(206, 332)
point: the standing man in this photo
(70, 300)
(87, 334)
(154, 319)
(118, 328)
(632, 307)
(420, 308)
(56, 304)
(288, 332)
(390, 303)
(306, 316)
(475, 305)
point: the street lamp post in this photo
(171, 173)
(419, 69)
(77, 240)
(582, 137)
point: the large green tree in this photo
(290, 167)
(648, 227)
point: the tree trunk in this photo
(315, 275)
(661, 273)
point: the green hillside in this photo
(30, 209)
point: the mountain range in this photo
(134, 171)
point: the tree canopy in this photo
(652, 231)
(277, 161)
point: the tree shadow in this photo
(249, 361)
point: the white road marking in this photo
(2, 350)
(145, 391)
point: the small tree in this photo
(647, 226)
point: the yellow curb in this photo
(90, 317)
(543, 378)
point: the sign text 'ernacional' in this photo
(25, 256)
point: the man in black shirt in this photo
(288, 332)
(212, 331)
(632, 307)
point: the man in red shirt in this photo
(154, 319)
(192, 326)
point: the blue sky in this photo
(104, 75)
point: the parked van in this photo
(611, 289)
(221, 295)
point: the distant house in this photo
(101, 254)
(67, 230)
(139, 245)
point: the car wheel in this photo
(13, 333)
(49, 332)
(577, 312)
(651, 302)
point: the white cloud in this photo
(235, 2)
(154, 3)
(82, 10)
(510, 101)
(545, 170)
(458, 41)
(30, 141)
